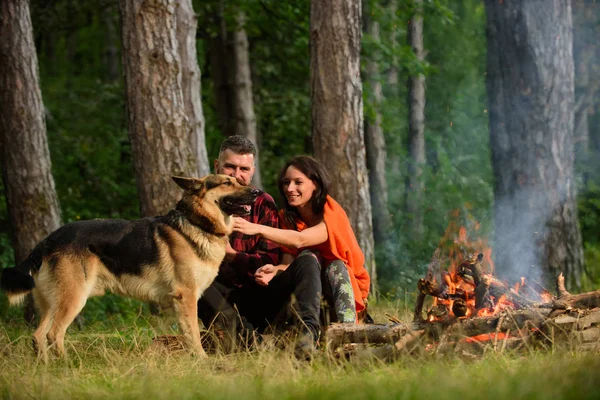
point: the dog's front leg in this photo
(186, 307)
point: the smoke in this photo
(530, 229)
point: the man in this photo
(245, 254)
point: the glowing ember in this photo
(485, 337)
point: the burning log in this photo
(459, 308)
(482, 282)
(431, 288)
(514, 321)
(434, 264)
(435, 289)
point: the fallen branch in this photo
(339, 334)
(567, 301)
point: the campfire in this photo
(469, 307)
(467, 289)
(460, 279)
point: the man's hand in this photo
(245, 227)
(229, 253)
(264, 274)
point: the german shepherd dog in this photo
(169, 259)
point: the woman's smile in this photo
(298, 187)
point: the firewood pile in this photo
(473, 312)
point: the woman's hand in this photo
(245, 227)
(264, 274)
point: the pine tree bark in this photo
(187, 24)
(375, 141)
(232, 81)
(241, 85)
(158, 125)
(31, 197)
(531, 98)
(416, 125)
(219, 66)
(337, 112)
(111, 37)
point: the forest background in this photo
(79, 51)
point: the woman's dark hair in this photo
(314, 171)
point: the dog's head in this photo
(209, 201)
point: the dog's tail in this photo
(17, 281)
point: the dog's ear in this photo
(188, 184)
(212, 181)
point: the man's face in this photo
(239, 166)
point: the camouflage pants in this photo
(337, 288)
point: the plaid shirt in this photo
(252, 251)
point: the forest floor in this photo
(117, 359)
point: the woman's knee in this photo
(336, 266)
(307, 262)
(336, 272)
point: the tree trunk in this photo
(416, 126)
(219, 67)
(73, 64)
(337, 112)
(530, 90)
(187, 24)
(26, 167)
(392, 72)
(232, 82)
(31, 198)
(391, 78)
(375, 142)
(158, 125)
(586, 16)
(241, 86)
(111, 52)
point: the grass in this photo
(117, 359)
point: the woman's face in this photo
(297, 187)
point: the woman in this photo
(317, 227)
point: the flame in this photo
(461, 255)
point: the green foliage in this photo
(94, 178)
(458, 174)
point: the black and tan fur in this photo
(170, 259)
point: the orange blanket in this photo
(342, 245)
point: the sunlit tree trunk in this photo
(375, 141)
(337, 112)
(31, 198)
(530, 90)
(416, 126)
(158, 125)
(187, 24)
